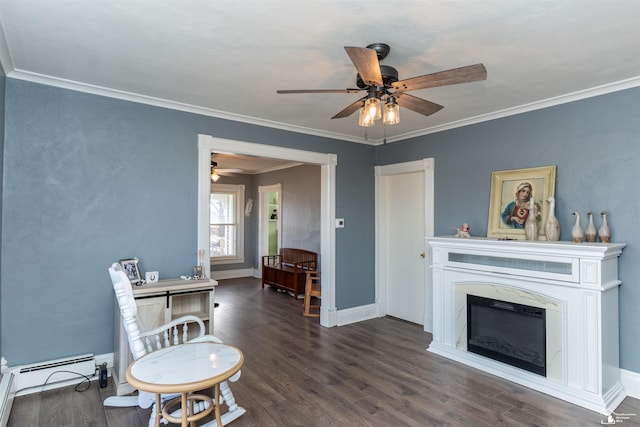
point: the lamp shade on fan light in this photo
(391, 112)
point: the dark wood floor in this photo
(296, 373)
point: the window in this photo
(226, 224)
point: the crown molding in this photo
(158, 102)
(173, 105)
(537, 105)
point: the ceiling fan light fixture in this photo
(214, 174)
(372, 107)
(391, 112)
(364, 119)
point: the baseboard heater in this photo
(54, 372)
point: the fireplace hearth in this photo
(564, 296)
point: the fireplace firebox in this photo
(508, 332)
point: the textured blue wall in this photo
(595, 144)
(90, 179)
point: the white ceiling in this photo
(232, 164)
(227, 58)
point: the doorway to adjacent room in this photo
(270, 219)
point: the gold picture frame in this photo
(506, 215)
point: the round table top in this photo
(185, 368)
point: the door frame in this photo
(327, 162)
(263, 224)
(427, 166)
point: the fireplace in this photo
(508, 332)
(562, 296)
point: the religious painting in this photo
(511, 197)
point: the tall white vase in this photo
(531, 224)
(552, 226)
(577, 234)
(604, 233)
(590, 232)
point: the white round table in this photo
(186, 369)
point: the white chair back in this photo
(128, 309)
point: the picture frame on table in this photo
(132, 270)
(509, 202)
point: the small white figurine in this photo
(463, 231)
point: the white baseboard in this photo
(631, 383)
(232, 274)
(356, 314)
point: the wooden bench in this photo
(287, 269)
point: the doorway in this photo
(269, 219)
(404, 218)
(327, 162)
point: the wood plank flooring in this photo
(297, 373)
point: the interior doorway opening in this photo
(270, 219)
(327, 162)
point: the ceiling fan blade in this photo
(318, 91)
(419, 105)
(470, 73)
(366, 62)
(350, 109)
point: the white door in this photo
(405, 218)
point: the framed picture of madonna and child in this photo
(510, 200)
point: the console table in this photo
(159, 303)
(576, 283)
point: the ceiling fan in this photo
(381, 84)
(216, 172)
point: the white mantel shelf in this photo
(577, 284)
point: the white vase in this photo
(531, 224)
(604, 233)
(552, 226)
(590, 232)
(577, 234)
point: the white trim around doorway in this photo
(327, 163)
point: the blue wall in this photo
(89, 180)
(595, 144)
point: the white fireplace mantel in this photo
(577, 284)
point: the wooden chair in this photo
(143, 342)
(312, 288)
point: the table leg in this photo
(183, 405)
(216, 400)
(158, 410)
(191, 413)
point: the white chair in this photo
(143, 342)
